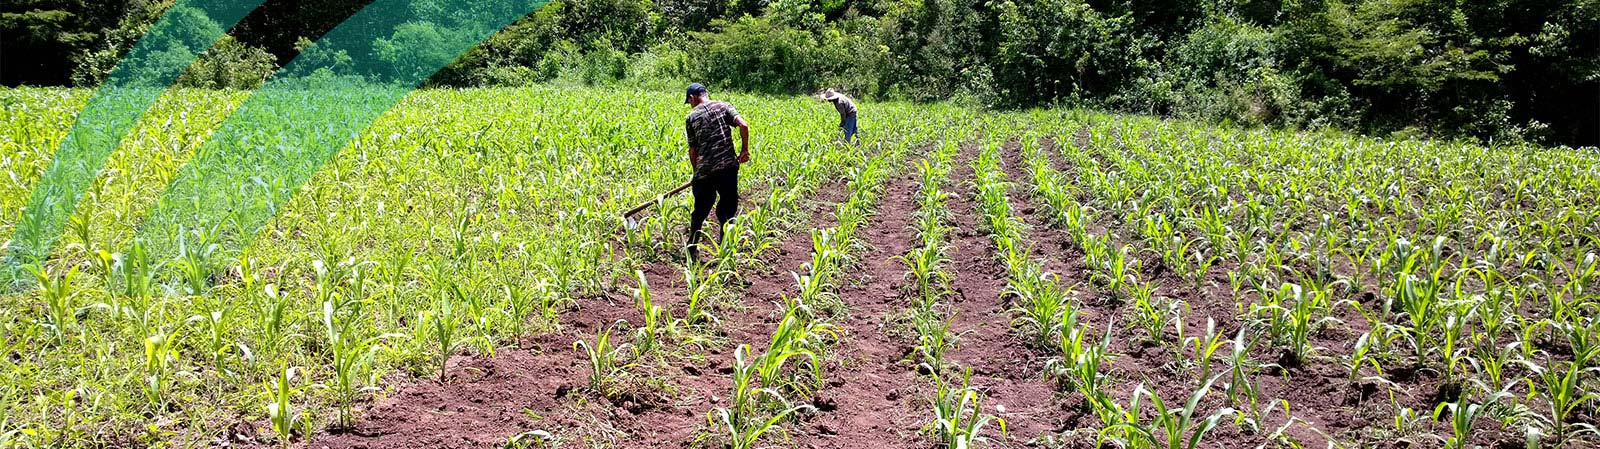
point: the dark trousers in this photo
(848, 125)
(721, 188)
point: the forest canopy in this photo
(1495, 71)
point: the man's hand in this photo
(744, 140)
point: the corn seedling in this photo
(958, 416)
(794, 339)
(444, 324)
(656, 319)
(603, 364)
(1205, 347)
(934, 339)
(1044, 306)
(1463, 413)
(1169, 428)
(280, 411)
(60, 300)
(742, 419)
(1559, 384)
(699, 291)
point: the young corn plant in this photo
(519, 307)
(60, 300)
(280, 410)
(796, 339)
(958, 416)
(1083, 363)
(444, 323)
(604, 366)
(197, 258)
(742, 418)
(274, 317)
(1362, 355)
(1043, 305)
(1169, 428)
(217, 326)
(352, 359)
(657, 320)
(1205, 347)
(926, 272)
(1290, 315)
(1419, 300)
(699, 290)
(1113, 269)
(1463, 413)
(138, 275)
(1154, 311)
(727, 254)
(159, 357)
(934, 339)
(1200, 262)
(1559, 384)
(478, 313)
(1240, 389)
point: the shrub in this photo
(757, 55)
(230, 64)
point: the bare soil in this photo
(487, 400)
(1003, 367)
(872, 399)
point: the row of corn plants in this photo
(1303, 244)
(1083, 363)
(958, 418)
(770, 386)
(436, 232)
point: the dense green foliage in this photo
(1499, 70)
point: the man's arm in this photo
(688, 137)
(744, 139)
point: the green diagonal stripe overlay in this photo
(172, 44)
(284, 133)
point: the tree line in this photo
(1495, 71)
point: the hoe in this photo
(627, 217)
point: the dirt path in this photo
(487, 400)
(870, 400)
(1002, 365)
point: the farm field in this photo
(460, 276)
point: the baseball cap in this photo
(695, 90)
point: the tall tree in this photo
(40, 40)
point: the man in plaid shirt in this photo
(716, 167)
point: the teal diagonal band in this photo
(277, 139)
(155, 61)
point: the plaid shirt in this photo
(708, 130)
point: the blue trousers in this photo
(848, 125)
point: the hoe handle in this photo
(641, 207)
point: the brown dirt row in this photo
(486, 400)
(1138, 361)
(871, 399)
(1318, 393)
(1003, 367)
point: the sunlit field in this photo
(461, 276)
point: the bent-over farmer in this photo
(847, 112)
(716, 166)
